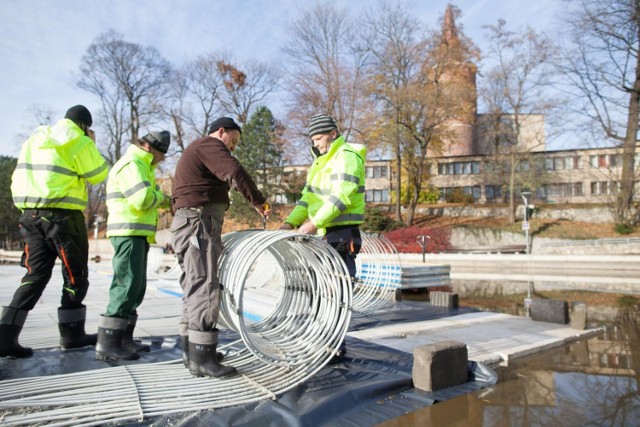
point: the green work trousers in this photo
(129, 275)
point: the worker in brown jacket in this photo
(200, 197)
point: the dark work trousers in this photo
(347, 241)
(129, 282)
(196, 240)
(49, 234)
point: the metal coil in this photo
(289, 296)
(379, 275)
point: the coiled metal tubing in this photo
(288, 295)
(378, 277)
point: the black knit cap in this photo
(321, 124)
(224, 122)
(80, 115)
(158, 140)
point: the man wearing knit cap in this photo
(133, 200)
(49, 186)
(199, 199)
(332, 202)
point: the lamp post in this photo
(525, 227)
(525, 223)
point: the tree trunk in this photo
(512, 190)
(398, 178)
(626, 212)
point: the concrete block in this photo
(440, 365)
(579, 316)
(549, 310)
(443, 299)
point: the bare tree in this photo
(516, 93)
(130, 81)
(40, 115)
(416, 80)
(247, 89)
(397, 51)
(210, 86)
(603, 64)
(196, 92)
(326, 72)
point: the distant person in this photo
(133, 199)
(200, 197)
(49, 186)
(332, 203)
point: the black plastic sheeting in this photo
(370, 385)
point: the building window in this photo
(548, 163)
(377, 196)
(376, 171)
(459, 168)
(603, 187)
(493, 192)
(563, 189)
(605, 160)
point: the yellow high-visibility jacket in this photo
(133, 197)
(334, 192)
(54, 166)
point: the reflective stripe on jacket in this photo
(54, 166)
(133, 198)
(334, 192)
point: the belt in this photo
(195, 208)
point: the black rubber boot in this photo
(203, 361)
(184, 343)
(71, 327)
(11, 323)
(110, 335)
(127, 340)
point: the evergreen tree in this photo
(9, 214)
(260, 153)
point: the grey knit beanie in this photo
(321, 124)
(158, 140)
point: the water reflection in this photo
(588, 383)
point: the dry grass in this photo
(551, 228)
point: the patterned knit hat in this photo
(321, 124)
(158, 140)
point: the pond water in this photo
(593, 382)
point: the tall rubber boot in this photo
(127, 340)
(203, 361)
(11, 323)
(184, 343)
(111, 331)
(71, 327)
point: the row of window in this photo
(494, 192)
(550, 164)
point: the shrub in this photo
(404, 239)
(376, 221)
(624, 229)
(459, 196)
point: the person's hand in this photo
(308, 228)
(286, 226)
(264, 210)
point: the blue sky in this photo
(42, 41)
